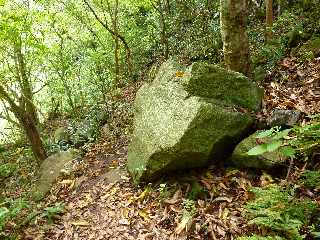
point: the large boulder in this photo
(262, 161)
(187, 117)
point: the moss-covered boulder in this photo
(263, 161)
(187, 117)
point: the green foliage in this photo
(268, 54)
(10, 209)
(303, 140)
(195, 191)
(189, 208)
(276, 209)
(307, 137)
(52, 212)
(310, 179)
(256, 237)
(164, 191)
(274, 139)
(20, 212)
(7, 170)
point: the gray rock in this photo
(280, 117)
(61, 135)
(114, 175)
(50, 170)
(186, 118)
(308, 50)
(263, 161)
(88, 129)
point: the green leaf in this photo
(282, 134)
(263, 148)
(266, 133)
(288, 151)
(257, 150)
(3, 212)
(316, 234)
(274, 145)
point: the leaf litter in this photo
(293, 86)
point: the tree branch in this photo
(106, 26)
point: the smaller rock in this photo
(88, 129)
(114, 175)
(266, 160)
(61, 135)
(50, 170)
(280, 117)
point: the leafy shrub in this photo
(196, 191)
(303, 140)
(311, 179)
(277, 210)
(11, 209)
(268, 54)
(52, 212)
(272, 140)
(6, 170)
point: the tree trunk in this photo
(116, 41)
(163, 31)
(33, 135)
(27, 124)
(24, 82)
(62, 73)
(269, 19)
(233, 21)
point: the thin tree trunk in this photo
(28, 125)
(269, 19)
(33, 136)
(163, 28)
(233, 21)
(114, 19)
(114, 34)
(24, 82)
(209, 5)
(62, 74)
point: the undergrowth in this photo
(300, 141)
(279, 212)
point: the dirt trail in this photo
(105, 204)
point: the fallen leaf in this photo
(144, 215)
(179, 74)
(124, 222)
(223, 199)
(184, 224)
(175, 198)
(81, 223)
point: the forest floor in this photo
(102, 203)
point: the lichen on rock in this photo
(180, 123)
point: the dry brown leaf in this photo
(175, 198)
(81, 223)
